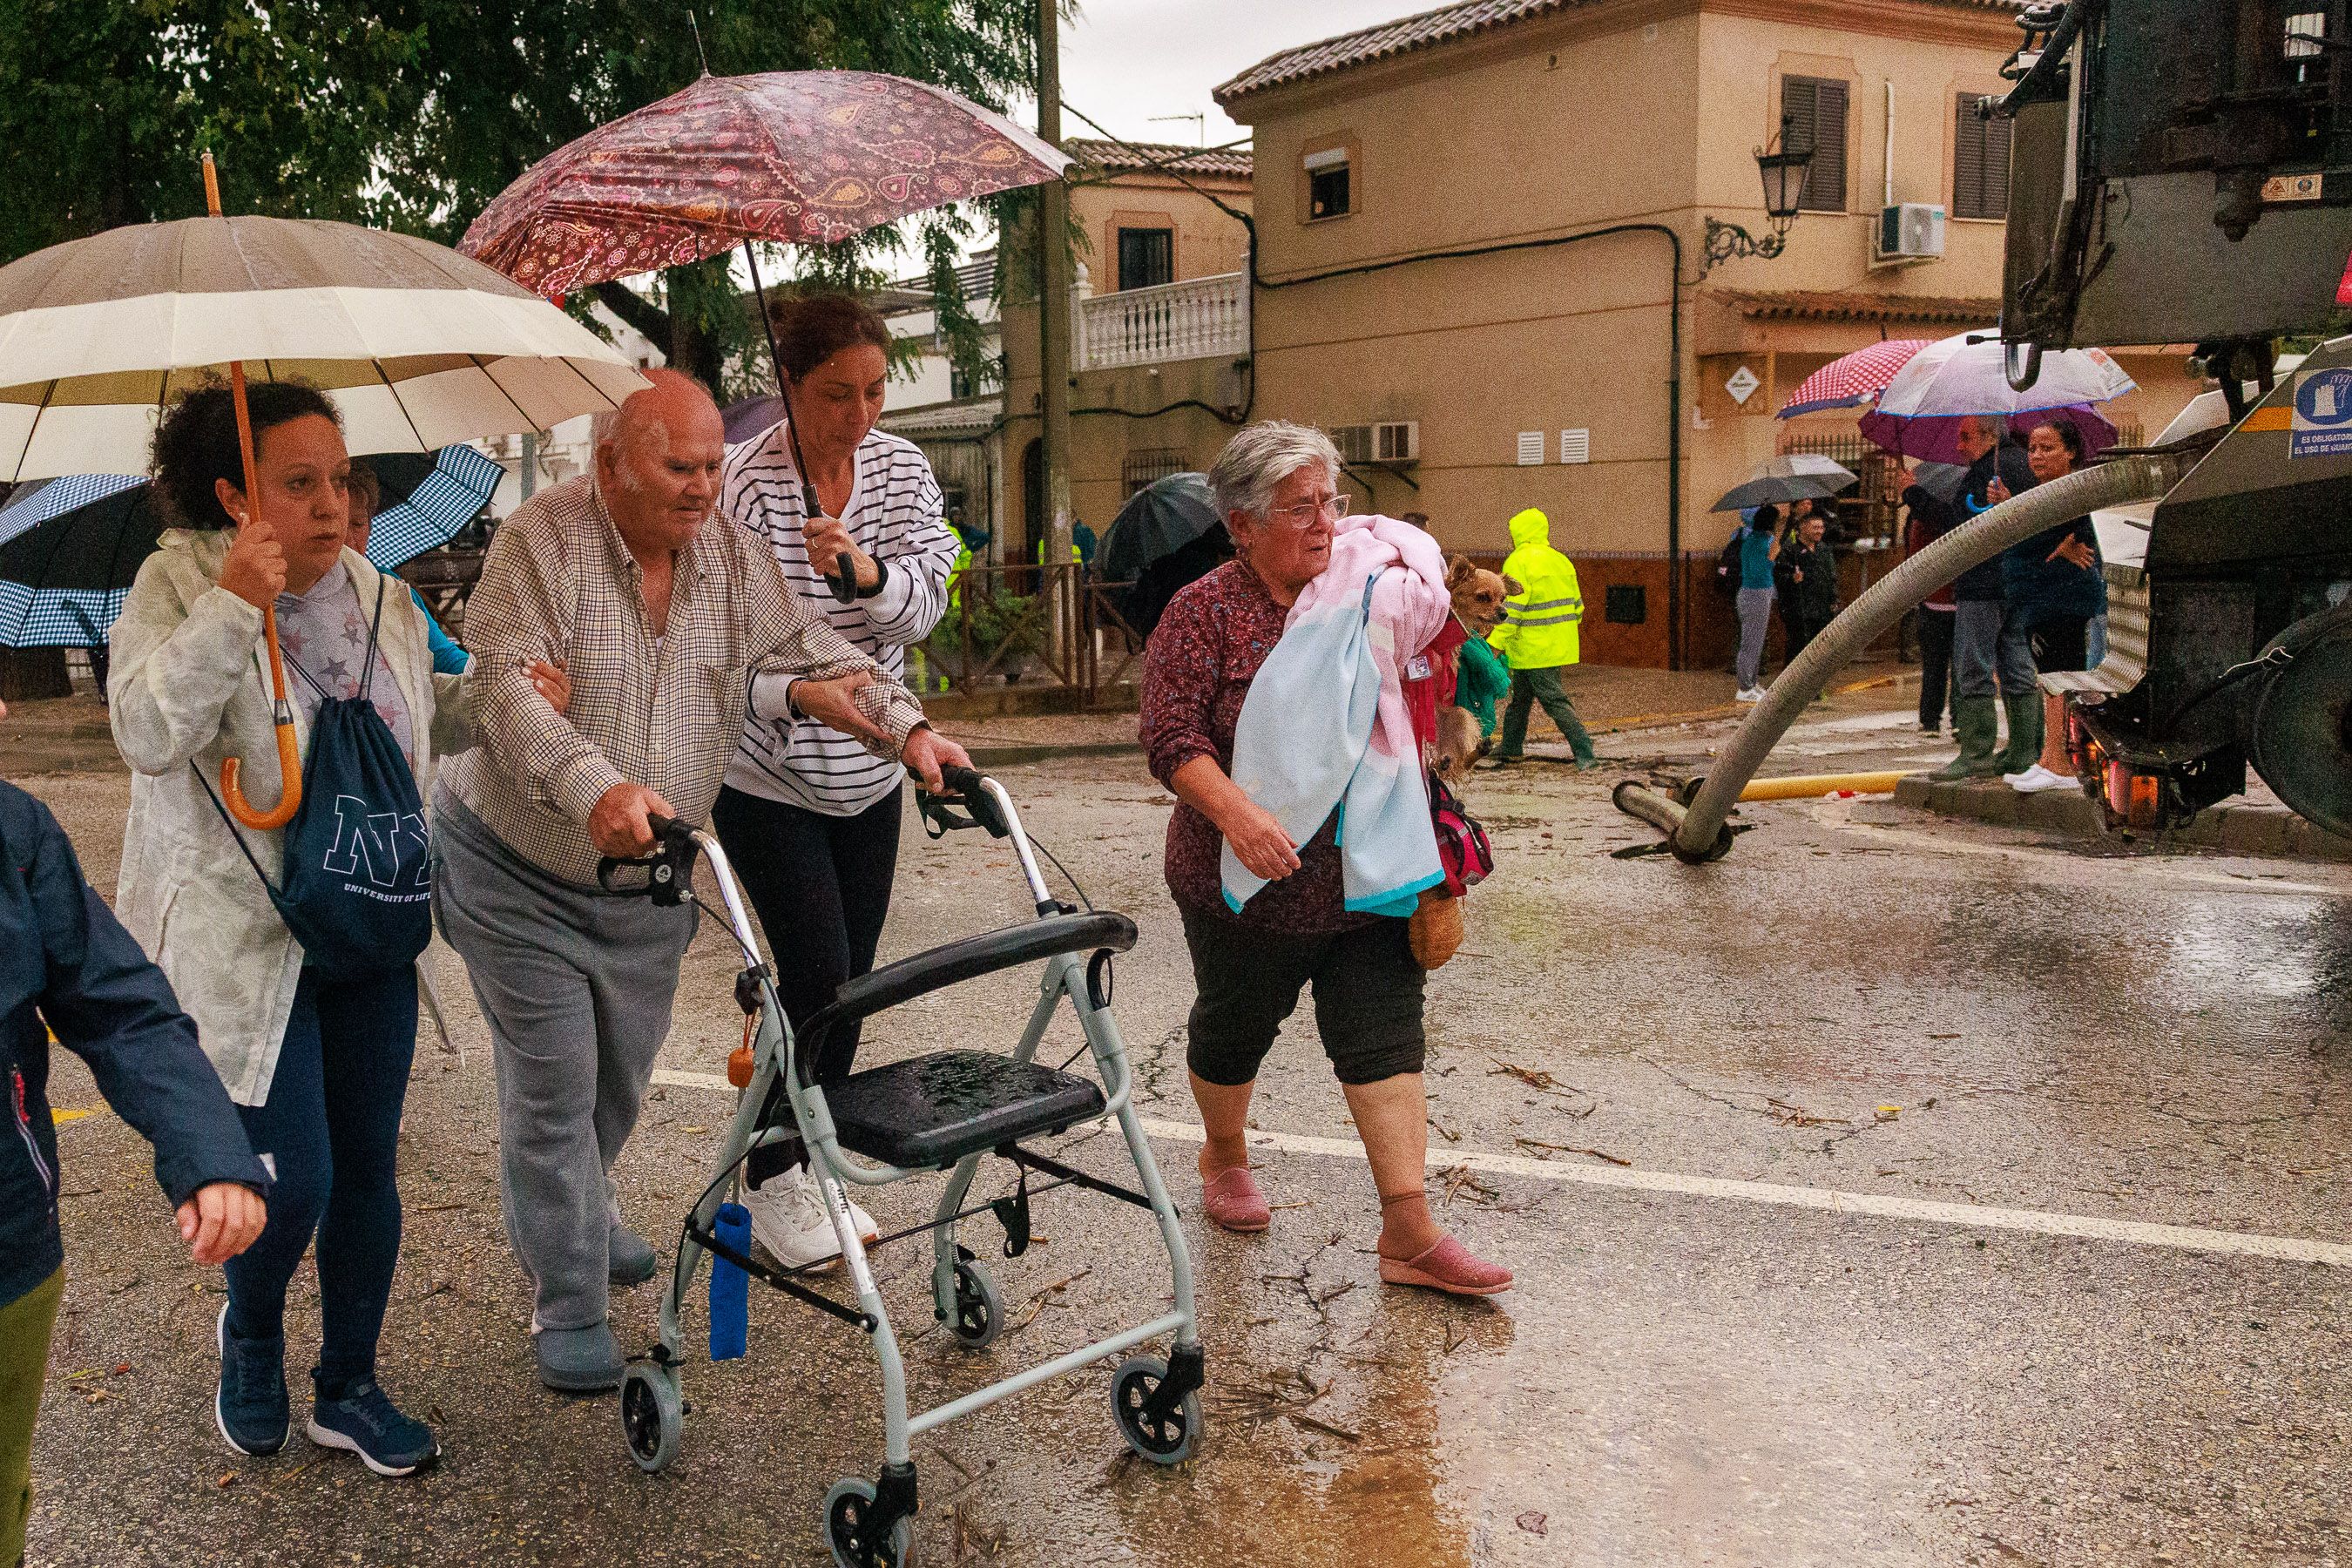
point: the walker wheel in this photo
(979, 1314)
(1165, 1441)
(651, 1416)
(847, 1536)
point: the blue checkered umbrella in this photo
(70, 547)
(427, 497)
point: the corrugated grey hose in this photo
(1698, 833)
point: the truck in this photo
(2182, 173)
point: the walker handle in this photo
(670, 869)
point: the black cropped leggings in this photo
(821, 887)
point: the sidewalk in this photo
(2252, 824)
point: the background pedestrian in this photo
(1759, 547)
(2054, 586)
(1540, 638)
(1978, 649)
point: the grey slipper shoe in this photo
(579, 1361)
(629, 1258)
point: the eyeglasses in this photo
(1308, 511)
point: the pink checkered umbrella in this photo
(1852, 380)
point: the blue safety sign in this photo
(2322, 426)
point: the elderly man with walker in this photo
(671, 625)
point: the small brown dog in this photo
(1478, 596)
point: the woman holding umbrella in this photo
(809, 817)
(318, 1070)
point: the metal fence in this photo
(1034, 627)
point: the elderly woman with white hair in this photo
(1277, 488)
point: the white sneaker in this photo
(1752, 694)
(788, 1219)
(2037, 778)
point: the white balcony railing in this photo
(1202, 318)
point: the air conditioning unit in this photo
(1908, 231)
(1393, 441)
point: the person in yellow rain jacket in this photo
(1537, 639)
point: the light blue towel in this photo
(1325, 726)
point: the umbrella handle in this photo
(844, 582)
(289, 756)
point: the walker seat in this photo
(927, 1112)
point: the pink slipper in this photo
(1233, 1202)
(1449, 1267)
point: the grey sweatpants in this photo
(576, 987)
(1755, 606)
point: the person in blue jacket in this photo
(67, 966)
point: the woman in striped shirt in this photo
(808, 816)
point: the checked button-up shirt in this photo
(664, 713)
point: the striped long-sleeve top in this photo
(894, 514)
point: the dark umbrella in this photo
(1167, 535)
(1157, 519)
(1795, 475)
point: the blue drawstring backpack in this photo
(357, 885)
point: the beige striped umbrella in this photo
(417, 345)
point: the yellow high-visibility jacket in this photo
(1539, 626)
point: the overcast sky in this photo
(1125, 61)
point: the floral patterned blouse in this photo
(1205, 651)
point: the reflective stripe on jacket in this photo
(1540, 625)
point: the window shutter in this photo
(1816, 107)
(1979, 163)
(1967, 160)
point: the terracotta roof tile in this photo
(1409, 35)
(1115, 156)
(1823, 305)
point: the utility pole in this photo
(1053, 310)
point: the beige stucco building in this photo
(1427, 198)
(1159, 334)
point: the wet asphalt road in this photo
(1861, 999)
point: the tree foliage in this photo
(411, 114)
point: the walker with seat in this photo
(943, 1112)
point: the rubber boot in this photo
(2024, 732)
(1976, 724)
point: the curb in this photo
(1015, 756)
(2242, 829)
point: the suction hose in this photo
(1699, 834)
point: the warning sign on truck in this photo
(2323, 414)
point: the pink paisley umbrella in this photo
(1852, 380)
(788, 156)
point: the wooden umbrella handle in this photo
(289, 759)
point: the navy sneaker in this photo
(366, 1422)
(251, 1408)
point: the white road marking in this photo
(1984, 1216)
